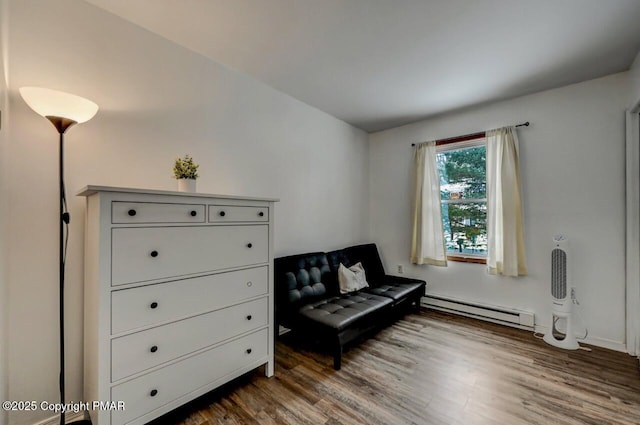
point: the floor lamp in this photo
(63, 110)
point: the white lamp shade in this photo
(47, 102)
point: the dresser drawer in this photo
(229, 213)
(151, 304)
(147, 253)
(174, 381)
(151, 212)
(139, 351)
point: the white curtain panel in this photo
(427, 242)
(506, 252)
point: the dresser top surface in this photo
(92, 190)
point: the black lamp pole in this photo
(62, 124)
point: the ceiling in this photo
(378, 64)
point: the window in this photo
(486, 164)
(463, 194)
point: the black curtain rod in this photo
(470, 136)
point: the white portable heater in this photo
(561, 334)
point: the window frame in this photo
(471, 141)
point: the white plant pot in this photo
(186, 185)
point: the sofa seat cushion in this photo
(396, 291)
(339, 312)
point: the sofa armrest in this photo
(398, 279)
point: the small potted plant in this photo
(186, 172)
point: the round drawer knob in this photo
(154, 305)
(249, 245)
(249, 317)
(154, 254)
(131, 212)
(248, 350)
(193, 213)
(153, 392)
(222, 213)
(249, 284)
(154, 349)
(261, 214)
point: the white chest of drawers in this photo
(178, 297)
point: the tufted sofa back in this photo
(301, 279)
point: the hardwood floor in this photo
(433, 369)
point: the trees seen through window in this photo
(463, 186)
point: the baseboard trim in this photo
(69, 417)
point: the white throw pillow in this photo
(352, 278)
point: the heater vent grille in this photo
(558, 273)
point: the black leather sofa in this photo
(309, 302)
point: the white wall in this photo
(633, 179)
(157, 101)
(634, 74)
(4, 161)
(572, 163)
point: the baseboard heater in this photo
(490, 313)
